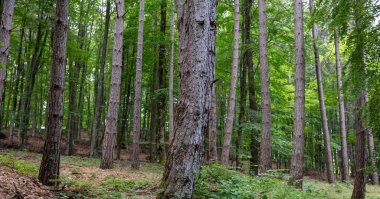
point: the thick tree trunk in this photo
(5, 36)
(232, 99)
(171, 74)
(296, 167)
(265, 156)
(100, 86)
(342, 117)
(322, 107)
(185, 151)
(114, 98)
(49, 168)
(359, 183)
(137, 105)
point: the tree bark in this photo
(231, 103)
(137, 105)
(212, 149)
(185, 151)
(100, 86)
(297, 160)
(342, 117)
(49, 168)
(265, 156)
(114, 98)
(171, 74)
(372, 158)
(5, 36)
(322, 107)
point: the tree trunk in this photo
(171, 75)
(372, 158)
(296, 167)
(212, 149)
(185, 151)
(265, 156)
(137, 105)
(322, 107)
(231, 103)
(359, 183)
(114, 98)
(100, 86)
(342, 117)
(243, 100)
(5, 35)
(162, 85)
(49, 168)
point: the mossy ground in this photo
(82, 178)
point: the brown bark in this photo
(5, 35)
(49, 168)
(231, 103)
(265, 156)
(322, 107)
(162, 84)
(212, 149)
(297, 160)
(372, 158)
(342, 117)
(114, 98)
(185, 151)
(171, 74)
(100, 86)
(137, 105)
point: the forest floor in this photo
(80, 177)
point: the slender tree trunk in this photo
(185, 151)
(49, 168)
(137, 105)
(372, 158)
(212, 149)
(162, 84)
(297, 160)
(342, 117)
(322, 107)
(114, 99)
(153, 110)
(20, 67)
(5, 36)
(265, 156)
(243, 100)
(171, 74)
(100, 87)
(231, 103)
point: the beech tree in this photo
(49, 168)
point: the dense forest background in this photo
(351, 27)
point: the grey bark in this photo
(342, 116)
(232, 98)
(49, 168)
(5, 36)
(137, 105)
(171, 74)
(185, 151)
(297, 159)
(322, 107)
(114, 98)
(265, 156)
(372, 158)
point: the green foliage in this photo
(18, 165)
(218, 182)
